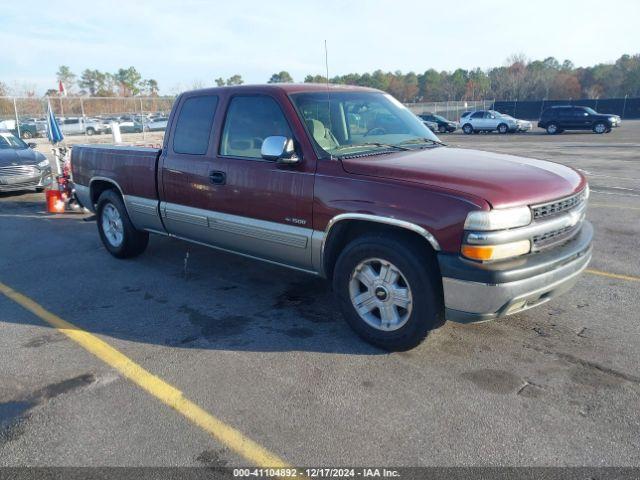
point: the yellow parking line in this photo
(608, 205)
(613, 275)
(164, 392)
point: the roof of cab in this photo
(289, 88)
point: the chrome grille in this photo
(28, 170)
(554, 237)
(557, 206)
(19, 186)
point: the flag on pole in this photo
(53, 130)
(61, 89)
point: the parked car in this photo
(131, 127)
(433, 126)
(521, 125)
(557, 119)
(21, 167)
(156, 124)
(31, 129)
(81, 126)
(443, 125)
(409, 231)
(488, 121)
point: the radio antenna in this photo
(326, 66)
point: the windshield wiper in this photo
(372, 144)
(414, 141)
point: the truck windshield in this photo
(353, 123)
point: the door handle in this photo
(217, 177)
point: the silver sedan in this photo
(21, 167)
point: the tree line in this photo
(519, 79)
(126, 82)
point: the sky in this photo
(188, 43)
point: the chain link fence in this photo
(25, 113)
(626, 107)
(450, 110)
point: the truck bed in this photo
(133, 169)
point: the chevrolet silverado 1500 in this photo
(346, 183)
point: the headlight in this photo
(496, 252)
(43, 163)
(613, 119)
(498, 219)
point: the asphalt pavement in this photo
(264, 350)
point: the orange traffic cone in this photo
(55, 203)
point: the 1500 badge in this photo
(297, 221)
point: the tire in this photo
(503, 128)
(417, 286)
(91, 131)
(442, 129)
(552, 128)
(26, 134)
(600, 128)
(467, 128)
(122, 240)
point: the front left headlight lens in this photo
(44, 163)
(498, 219)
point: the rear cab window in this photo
(193, 126)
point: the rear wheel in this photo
(467, 128)
(552, 129)
(389, 291)
(90, 131)
(117, 233)
(599, 128)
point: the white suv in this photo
(488, 121)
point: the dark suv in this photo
(558, 119)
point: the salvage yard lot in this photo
(264, 350)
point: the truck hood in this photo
(22, 156)
(501, 180)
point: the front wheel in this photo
(503, 128)
(599, 128)
(90, 131)
(117, 233)
(389, 291)
(552, 129)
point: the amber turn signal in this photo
(496, 252)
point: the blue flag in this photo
(53, 130)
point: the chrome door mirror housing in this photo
(280, 149)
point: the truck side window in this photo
(251, 119)
(193, 127)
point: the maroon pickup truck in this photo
(346, 183)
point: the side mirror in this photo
(280, 149)
(32, 144)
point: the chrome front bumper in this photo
(488, 294)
